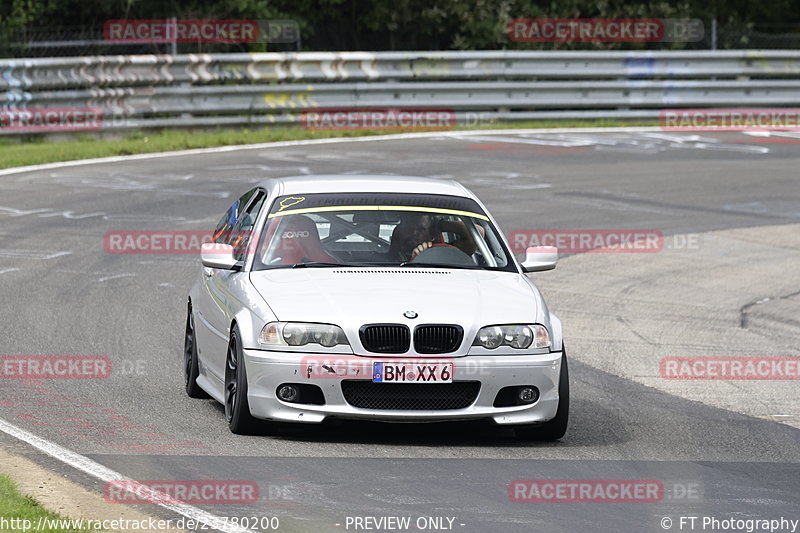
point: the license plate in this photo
(389, 372)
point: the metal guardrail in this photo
(263, 88)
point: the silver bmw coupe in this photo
(385, 298)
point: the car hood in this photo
(352, 297)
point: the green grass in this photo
(37, 151)
(14, 505)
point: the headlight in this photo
(490, 337)
(300, 334)
(517, 336)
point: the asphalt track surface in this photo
(63, 295)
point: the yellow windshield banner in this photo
(329, 209)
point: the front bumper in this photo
(266, 370)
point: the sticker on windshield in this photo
(289, 201)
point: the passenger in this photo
(298, 242)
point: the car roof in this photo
(345, 183)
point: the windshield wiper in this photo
(438, 265)
(320, 264)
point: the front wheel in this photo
(191, 367)
(237, 408)
(556, 428)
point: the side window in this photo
(223, 227)
(242, 232)
(222, 231)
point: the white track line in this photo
(367, 138)
(86, 465)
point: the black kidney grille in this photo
(410, 396)
(437, 338)
(385, 338)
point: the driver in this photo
(419, 231)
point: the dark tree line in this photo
(403, 24)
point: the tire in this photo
(191, 368)
(556, 428)
(237, 408)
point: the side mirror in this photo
(540, 258)
(216, 255)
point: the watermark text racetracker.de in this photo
(602, 30)
(54, 367)
(729, 524)
(730, 368)
(742, 119)
(570, 241)
(174, 241)
(178, 491)
(353, 119)
(46, 119)
(391, 119)
(200, 31)
(44, 367)
(602, 490)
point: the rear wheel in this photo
(556, 428)
(237, 408)
(191, 367)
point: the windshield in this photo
(380, 230)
